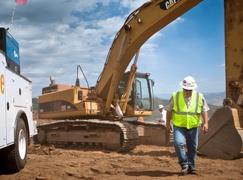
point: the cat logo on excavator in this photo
(167, 4)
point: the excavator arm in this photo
(224, 139)
(139, 26)
(234, 53)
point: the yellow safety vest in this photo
(188, 117)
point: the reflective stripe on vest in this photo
(184, 116)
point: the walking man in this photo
(188, 111)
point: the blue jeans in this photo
(186, 139)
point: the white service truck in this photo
(16, 121)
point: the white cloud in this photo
(55, 47)
(110, 25)
(222, 65)
(177, 21)
(133, 4)
(55, 36)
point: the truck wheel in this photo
(18, 154)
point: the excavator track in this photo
(117, 136)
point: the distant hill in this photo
(212, 98)
(157, 101)
(215, 98)
(34, 104)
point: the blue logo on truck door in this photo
(12, 49)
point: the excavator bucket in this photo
(224, 138)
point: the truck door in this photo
(2, 101)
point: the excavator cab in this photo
(142, 93)
(140, 101)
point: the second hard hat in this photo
(188, 83)
(160, 106)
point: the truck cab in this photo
(16, 123)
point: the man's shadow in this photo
(158, 153)
(152, 173)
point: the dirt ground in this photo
(144, 162)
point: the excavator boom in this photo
(139, 26)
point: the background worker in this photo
(162, 114)
(188, 111)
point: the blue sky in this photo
(55, 36)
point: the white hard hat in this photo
(188, 83)
(160, 106)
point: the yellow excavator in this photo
(95, 116)
(98, 116)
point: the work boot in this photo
(192, 170)
(184, 170)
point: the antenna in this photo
(19, 2)
(12, 16)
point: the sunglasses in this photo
(187, 90)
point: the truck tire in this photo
(17, 156)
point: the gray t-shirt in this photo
(170, 105)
